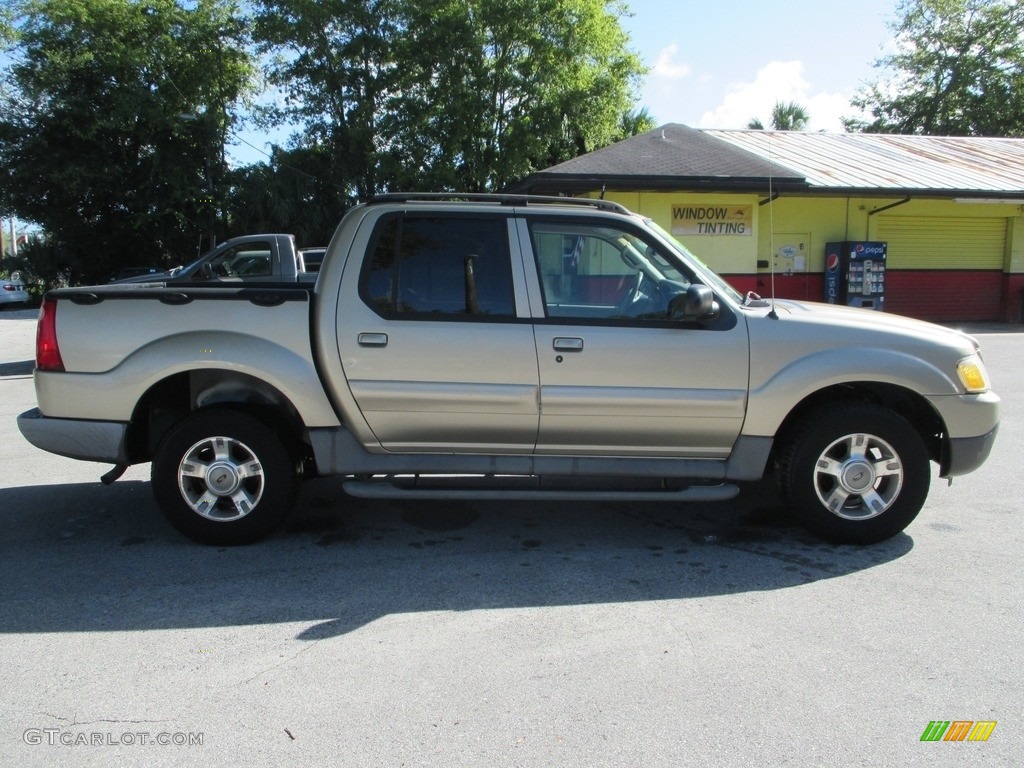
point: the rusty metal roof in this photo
(678, 157)
(861, 161)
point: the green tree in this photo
(492, 90)
(291, 194)
(333, 61)
(42, 263)
(113, 122)
(448, 94)
(786, 116)
(6, 24)
(958, 70)
(634, 122)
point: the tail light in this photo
(47, 351)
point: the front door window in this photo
(600, 272)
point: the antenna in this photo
(771, 228)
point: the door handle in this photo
(372, 339)
(568, 344)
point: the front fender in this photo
(775, 396)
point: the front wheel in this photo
(223, 477)
(855, 474)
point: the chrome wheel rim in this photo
(221, 479)
(858, 476)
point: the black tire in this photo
(854, 474)
(225, 478)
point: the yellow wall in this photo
(822, 219)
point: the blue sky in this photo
(718, 64)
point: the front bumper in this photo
(971, 422)
(966, 454)
(102, 441)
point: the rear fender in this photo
(113, 394)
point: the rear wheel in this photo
(856, 474)
(222, 477)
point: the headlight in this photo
(972, 374)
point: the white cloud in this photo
(777, 81)
(827, 111)
(667, 67)
(665, 81)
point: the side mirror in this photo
(698, 303)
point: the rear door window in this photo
(431, 266)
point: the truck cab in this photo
(260, 258)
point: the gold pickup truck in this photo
(505, 347)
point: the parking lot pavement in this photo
(17, 341)
(442, 634)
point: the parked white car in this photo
(12, 291)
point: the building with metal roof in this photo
(856, 163)
(950, 209)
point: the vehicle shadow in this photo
(82, 557)
(20, 368)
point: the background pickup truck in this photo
(264, 258)
(499, 347)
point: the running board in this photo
(387, 490)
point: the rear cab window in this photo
(247, 260)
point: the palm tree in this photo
(636, 121)
(786, 116)
(789, 117)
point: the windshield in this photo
(707, 276)
(191, 265)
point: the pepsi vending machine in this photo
(855, 274)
